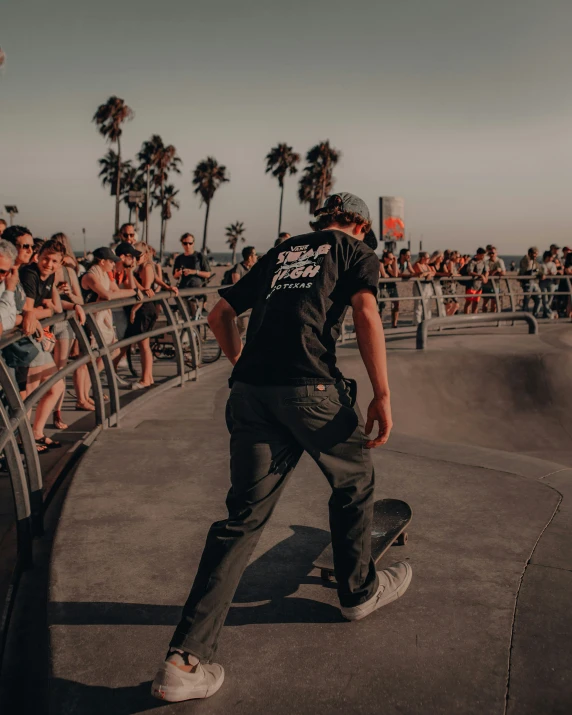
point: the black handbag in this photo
(20, 354)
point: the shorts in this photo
(488, 289)
(475, 293)
(145, 319)
(63, 331)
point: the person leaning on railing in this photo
(43, 301)
(425, 273)
(98, 287)
(477, 268)
(548, 273)
(529, 266)
(449, 270)
(388, 269)
(497, 269)
(69, 289)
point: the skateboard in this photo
(390, 519)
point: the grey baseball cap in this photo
(345, 201)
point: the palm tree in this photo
(162, 160)
(234, 235)
(281, 160)
(168, 202)
(109, 119)
(317, 180)
(207, 177)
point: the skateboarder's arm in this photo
(222, 322)
(371, 344)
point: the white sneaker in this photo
(393, 582)
(174, 685)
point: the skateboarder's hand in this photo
(379, 411)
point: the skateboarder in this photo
(287, 396)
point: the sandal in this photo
(58, 422)
(85, 406)
(52, 444)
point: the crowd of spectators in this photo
(474, 281)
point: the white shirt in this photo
(548, 269)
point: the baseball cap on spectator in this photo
(126, 249)
(105, 254)
(553, 245)
(345, 201)
(566, 248)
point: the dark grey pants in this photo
(270, 427)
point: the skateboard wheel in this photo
(401, 539)
(326, 575)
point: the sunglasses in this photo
(188, 243)
(27, 246)
(129, 235)
(4, 272)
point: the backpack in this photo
(227, 276)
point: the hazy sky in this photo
(463, 108)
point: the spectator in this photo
(496, 269)
(388, 269)
(8, 282)
(143, 315)
(21, 238)
(529, 266)
(249, 258)
(425, 273)
(101, 287)
(476, 268)
(512, 266)
(191, 268)
(560, 302)
(71, 298)
(123, 277)
(567, 270)
(42, 301)
(554, 257)
(127, 233)
(449, 271)
(284, 236)
(3, 226)
(548, 272)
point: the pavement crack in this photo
(546, 566)
(513, 623)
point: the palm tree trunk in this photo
(205, 228)
(280, 211)
(163, 240)
(130, 214)
(162, 246)
(117, 186)
(234, 254)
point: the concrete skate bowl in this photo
(480, 450)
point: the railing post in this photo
(19, 417)
(22, 506)
(179, 354)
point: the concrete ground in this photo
(481, 450)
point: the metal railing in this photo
(461, 321)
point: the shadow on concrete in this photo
(272, 578)
(95, 700)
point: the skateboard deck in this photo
(390, 519)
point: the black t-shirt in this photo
(299, 293)
(34, 287)
(196, 262)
